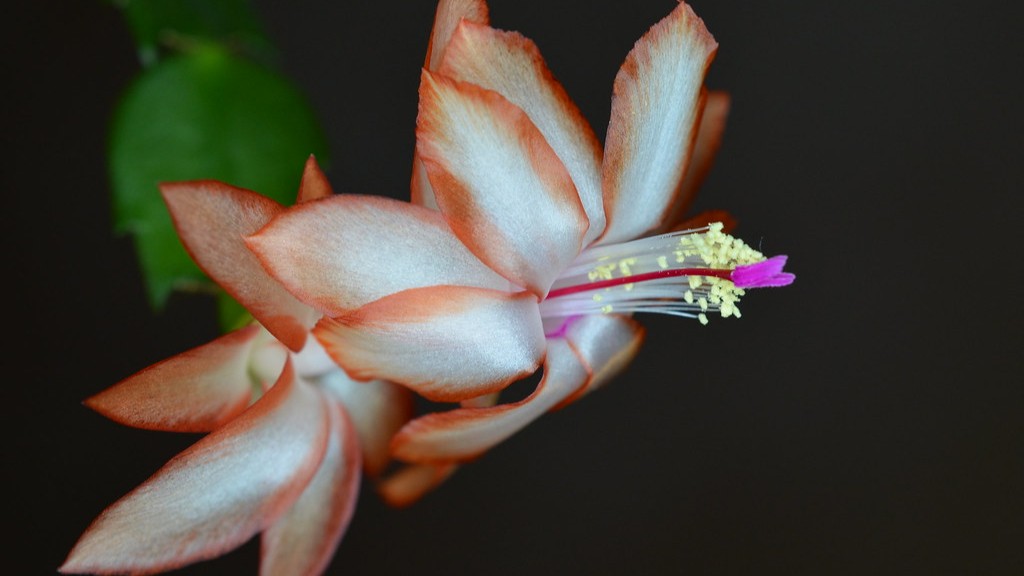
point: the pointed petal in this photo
(377, 408)
(707, 217)
(314, 184)
(411, 483)
(606, 343)
(446, 19)
(217, 494)
(499, 184)
(655, 108)
(447, 343)
(195, 391)
(709, 139)
(512, 66)
(345, 251)
(302, 542)
(466, 433)
(212, 220)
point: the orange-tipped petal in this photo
(302, 542)
(466, 433)
(447, 343)
(411, 483)
(709, 139)
(707, 217)
(655, 109)
(499, 184)
(345, 251)
(446, 19)
(606, 343)
(217, 494)
(212, 220)
(314, 185)
(195, 391)
(377, 408)
(512, 66)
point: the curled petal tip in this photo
(763, 274)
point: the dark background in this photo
(866, 420)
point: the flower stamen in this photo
(685, 274)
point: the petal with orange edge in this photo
(446, 19)
(606, 343)
(709, 139)
(447, 343)
(212, 219)
(412, 482)
(377, 408)
(195, 391)
(342, 252)
(214, 496)
(655, 109)
(500, 186)
(302, 542)
(314, 185)
(512, 66)
(466, 433)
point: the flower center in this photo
(687, 274)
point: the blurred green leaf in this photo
(176, 23)
(202, 115)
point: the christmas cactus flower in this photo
(289, 431)
(527, 245)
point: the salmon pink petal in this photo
(303, 541)
(342, 252)
(446, 19)
(195, 391)
(499, 184)
(213, 497)
(212, 220)
(512, 66)
(377, 408)
(411, 483)
(314, 185)
(466, 433)
(655, 109)
(606, 343)
(447, 343)
(709, 139)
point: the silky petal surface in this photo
(655, 109)
(212, 220)
(342, 252)
(217, 494)
(314, 185)
(466, 433)
(709, 139)
(302, 542)
(499, 184)
(377, 408)
(606, 343)
(446, 19)
(411, 483)
(447, 343)
(195, 391)
(511, 65)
